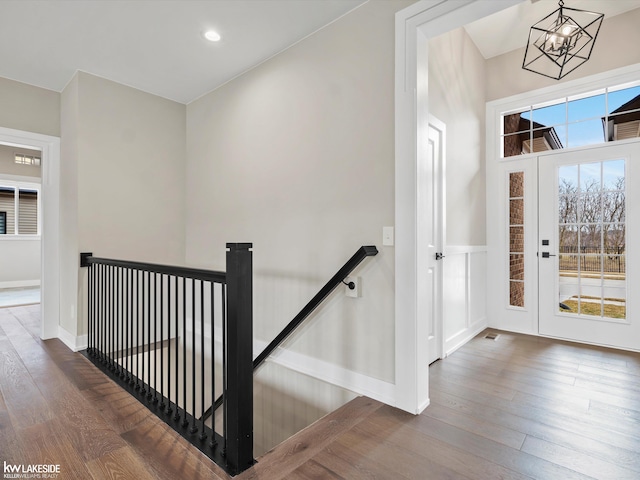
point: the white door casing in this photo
(414, 26)
(50, 282)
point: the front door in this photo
(589, 222)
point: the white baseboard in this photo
(464, 336)
(73, 342)
(20, 284)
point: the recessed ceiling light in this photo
(212, 36)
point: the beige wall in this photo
(456, 97)
(122, 174)
(29, 108)
(297, 156)
(616, 46)
(131, 148)
(69, 261)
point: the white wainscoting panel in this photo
(464, 294)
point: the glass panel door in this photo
(592, 239)
(583, 255)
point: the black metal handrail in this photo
(136, 311)
(87, 259)
(335, 281)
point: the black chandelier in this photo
(561, 41)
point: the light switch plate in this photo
(387, 236)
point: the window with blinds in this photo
(27, 212)
(18, 211)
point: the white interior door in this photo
(432, 173)
(589, 220)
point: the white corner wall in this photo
(297, 156)
(122, 190)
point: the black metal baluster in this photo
(224, 354)
(138, 329)
(155, 338)
(149, 394)
(104, 314)
(168, 411)
(127, 307)
(122, 315)
(139, 333)
(162, 404)
(143, 388)
(185, 422)
(203, 434)
(194, 427)
(130, 333)
(212, 443)
(146, 322)
(110, 333)
(117, 320)
(176, 288)
(89, 311)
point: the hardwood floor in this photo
(514, 408)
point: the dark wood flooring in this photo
(514, 408)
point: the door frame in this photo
(50, 234)
(496, 307)
(414, 26)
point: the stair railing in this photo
(338, 279)
(138, 312)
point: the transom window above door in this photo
(605, 115)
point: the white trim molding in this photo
(51, 245)
(75, 343)
(414, 26)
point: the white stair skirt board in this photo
(322, 370)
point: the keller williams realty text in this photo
(30, 471)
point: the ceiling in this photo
(508, 29)
(158, 45)
(153, 45)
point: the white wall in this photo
(297, 156)
(456, 97)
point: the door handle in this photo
(439, 256)
(547, 255)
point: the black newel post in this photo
(84, 263)
(238, 361)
